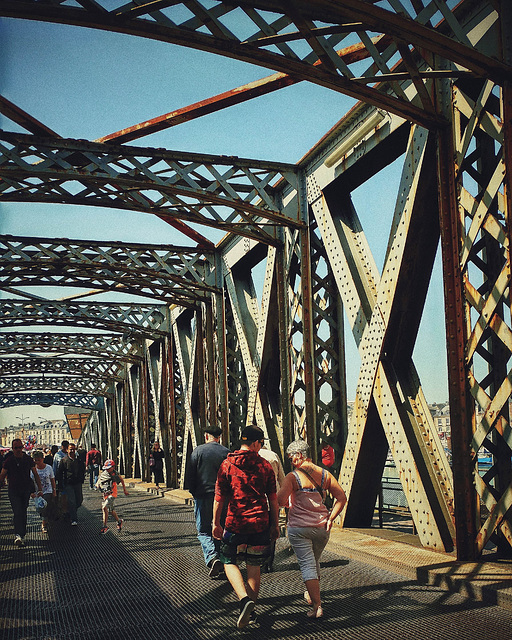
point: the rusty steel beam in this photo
(261, 87)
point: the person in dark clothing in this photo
(70, 477)
(156, 463)
(48, 459)
(201, 476)
(93, 464)
(16, 468)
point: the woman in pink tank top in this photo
(309, 520)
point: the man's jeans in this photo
(203, 511)
(94, 471)
(74, 494)
(19, 504)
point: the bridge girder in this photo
(108, 346)
(302, 41)
(176, 274)
(86, 367)
(231, 194)
(143, 320)
(49, 399)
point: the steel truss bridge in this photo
(194, 346)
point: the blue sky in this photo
(85, 84)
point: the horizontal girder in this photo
(49, 399)
(143, 319)
(109, 346)
(231, 194)
(87, 386)
(87, 367)
(301, 39)
(176, 274)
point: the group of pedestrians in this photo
(237, 497)
(55, 482)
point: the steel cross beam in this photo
(388, 387)
(88, 386)
(87, 367)
(47, 399)
(175, 274)
(109, 346)
(130, 319)
(300, 39)
(231, 194)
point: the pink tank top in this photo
(307, 507)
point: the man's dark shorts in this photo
(254, 548)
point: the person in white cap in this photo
(107, 483)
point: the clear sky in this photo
(85, 84)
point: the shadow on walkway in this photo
(149, 582)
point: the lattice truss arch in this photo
(232, 194)
(345, 45)
(173, 274)
(484, 206)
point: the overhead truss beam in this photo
(231, 194)
(176, 274)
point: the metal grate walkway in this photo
(149, 582)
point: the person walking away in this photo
(81, 454)
(156, 463)
(70, 477)
(59, 455)
(277, 466)
(247, 484)
(309, 520)
(107, 484)
(93, 464)
(45, 473)
(50, 454)
(200, 479)
(16, 468)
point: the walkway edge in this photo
(489, 582)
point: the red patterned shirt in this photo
(246, 481)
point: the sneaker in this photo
(253, 618)
(215, 568)
(119, 524)
(74, 523)
(104, 530)
(18, 541)
(246, 608)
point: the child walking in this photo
(107, 483)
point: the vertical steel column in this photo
(307, 321)
(222, 373)
(284, 349)
(200, 372)
(145, 471)
(169, 400)
(211, 395)
(461, 405)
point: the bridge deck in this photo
(148, 582)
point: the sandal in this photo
(316, 613)
(307, 597)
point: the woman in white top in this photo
(45, 473)
(309, 520)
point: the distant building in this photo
(46, 434)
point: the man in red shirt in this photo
(247, 483)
